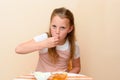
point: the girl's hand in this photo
(51, 42)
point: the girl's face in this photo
(59, 28)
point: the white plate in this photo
(42, 75)
(45, 75)
(73, 74)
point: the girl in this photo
(58, 47)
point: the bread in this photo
(58, 76)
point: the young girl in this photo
(58, 47)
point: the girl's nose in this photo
(57, 31)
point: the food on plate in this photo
(58, 76)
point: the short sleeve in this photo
(40, 37)
(77, 51)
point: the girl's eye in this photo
(54, 26)
(62, 27)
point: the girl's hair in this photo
(63, 13)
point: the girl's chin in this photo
(61, 42)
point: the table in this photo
(25, 77)
(31, 77)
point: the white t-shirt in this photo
(44, 63)
(59, 47)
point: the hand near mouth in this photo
(51, 42)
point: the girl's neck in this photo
(62, 42)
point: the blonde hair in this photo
(63, 13)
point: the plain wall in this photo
(97, 31)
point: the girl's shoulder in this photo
(41, 37)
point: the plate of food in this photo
(56, 75)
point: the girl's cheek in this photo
(52, 31)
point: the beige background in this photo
(97, 30)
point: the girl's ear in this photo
(71, 28)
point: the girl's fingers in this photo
(56, 38)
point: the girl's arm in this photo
(76, 66)
(31, 46)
